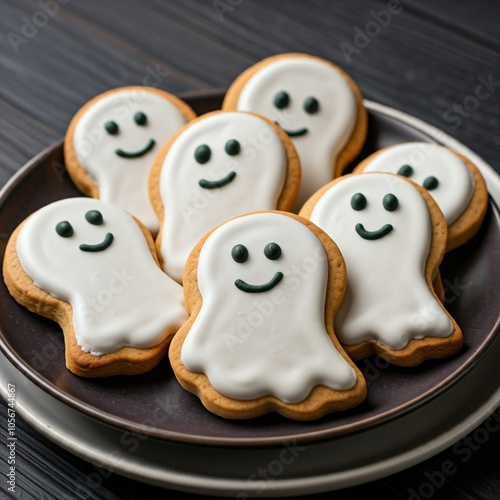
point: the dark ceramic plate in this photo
(155, 405)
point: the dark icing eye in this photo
(232, 147)
(111, 127)
(239, 253)
(140, 118)
(358, 201)
(64, 229)
(406, 170)
(430, 183)
(390, 202)
(202, 154)
(94, 217)
(281, 100)
(272, 251)
(311, 105)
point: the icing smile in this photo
(294, 133)
(373, 235)
(99, 247)
(137, 154)
(217, 184)
(245, 287)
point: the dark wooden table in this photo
(427, 59)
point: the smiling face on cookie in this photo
(251, 256)
(220, 166)
(94, 217)
(261, 328)
(434, 167)
(240, 254)
(313, 103)
(115, 140)
(374, 213)
(76, 237)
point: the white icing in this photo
(269, 343)
(119, 296)
(124, 181)
(328, 130)
(190, 210)
(387, 298)
(456, 183)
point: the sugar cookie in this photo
(262, 290)
(392, 236)
(91, 267)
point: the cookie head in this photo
(253, 255)
(261, 328)
(115, 138)
(301, 95)
(312, 101)
(220, 166)
(226, 153)
(66, 244)
(71, 235)
(122, 126)
(373, 211)
(441, 172)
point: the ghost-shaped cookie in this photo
(451, 179)
(392, 236)
(315, 102)
(258, 339)
(220, 165)
(112, 140)
(90, 266)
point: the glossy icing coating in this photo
(119, 295)
(198, 196)
(116, 145)
(387, 298)
(268, 343)
(286, 91)
(440, 171)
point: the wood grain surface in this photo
(423, 57)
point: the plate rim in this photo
(101, 416)
(133, 468)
